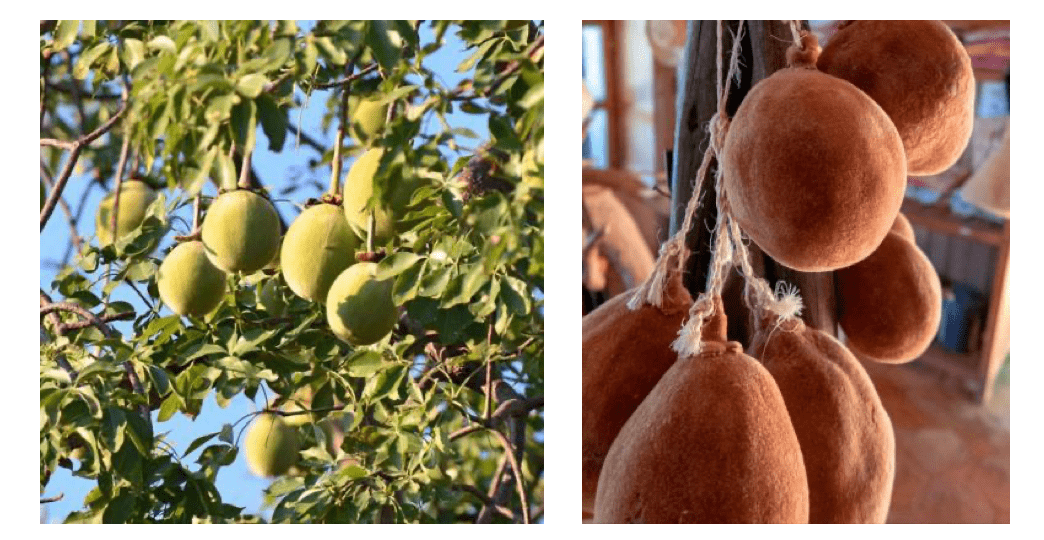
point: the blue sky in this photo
(235, 482)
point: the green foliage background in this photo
(421, 438)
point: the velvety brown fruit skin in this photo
(920, 74)
(891, 302)
(814, 170)
(711, 443)
(624, 354)
(903, 228)
(846, 436)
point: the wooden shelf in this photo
(941, 219)
(978, 369)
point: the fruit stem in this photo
(244, 170)
(197, 208)
(371, 224)
(335, 172)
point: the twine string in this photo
(674, 254)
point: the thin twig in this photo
(347, 80)
(49, 181)
(486, 501)
(70, 163)
(519, 482)
(307, 139)
(56, 498)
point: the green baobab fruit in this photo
(241, 232)
(271, 446)
(368, 119)
(189, 284)
(318, 246)
(271, 299)
(359, 308)
(358, 188)
(135, 198)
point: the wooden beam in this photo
(763, 53)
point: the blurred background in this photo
(950, 408)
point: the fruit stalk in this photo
(244, 170)
(335, 172)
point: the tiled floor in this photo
(952, 455)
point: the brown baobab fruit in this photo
(711, 443)
(891, 302)
(814, 170)
(903, 228)
(846, 436)
(920, 74)
(624, 354)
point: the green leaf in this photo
(503, 133)
(331, 52)
(515, 295)
(118, 510)
(273, 122)
(88, 29)
(354, 471)
(396, 264)
(209, 30)
(168, 407)
(366, 364)
(225, 171)
(472, 279)
(385, 50)
(197, 443)
(407, 285)
(87, 59)
(162, 43)
(244, 124)
(250, 85)
(133, 52)
(65, 34)
(480, 52)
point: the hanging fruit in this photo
(920, 74)
(846, 436)
(188, 283)
(711, 443)
(891, 302)
(903, 228)
(358, 188)
(359, 307)
(135, 198)
(318, 246)
(241, 231)
(271, 446)
(814, 170)
(624, 354)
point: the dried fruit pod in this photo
(135, 198)
(317, 247)
(846, 436)
(920, 74)
(891, 302)
(241, 232)
(903, 228)
(814, 169)
(188, 283)
(711, 443)
(624, 354)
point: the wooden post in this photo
(763, 51)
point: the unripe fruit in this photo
(189, 284)
(270, 299)
(359, 308)
(368, 119)
(241, 232)
(318, 246)
(135, 198)
(358, 188)
(271, 446)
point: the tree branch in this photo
(75, 148)
(346, 80)
(65, 209)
